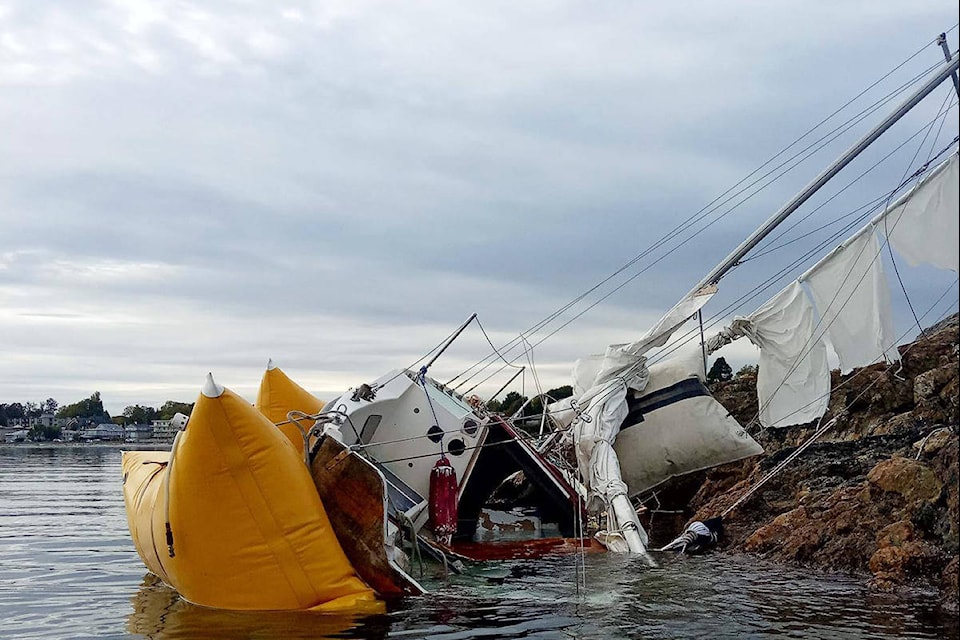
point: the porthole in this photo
(470, 427)
(435, 433)
(456, 447)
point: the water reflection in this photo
(160, 614)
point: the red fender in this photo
(443, 500)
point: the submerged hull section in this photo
(354, 496)
(506, 454)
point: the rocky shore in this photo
(876, 495)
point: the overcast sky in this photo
(192, 187)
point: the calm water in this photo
(69, 570)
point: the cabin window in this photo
(370, 426)
(435, 433)
(470, 427)
(456, 447)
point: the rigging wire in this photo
(822, 142)
(679, 343)
(949, 98)
(833, 238)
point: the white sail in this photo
(793, 382)
(853, 300)
(851, 292)
(924, 225)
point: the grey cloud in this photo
(187, 187)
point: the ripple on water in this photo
(69, 570)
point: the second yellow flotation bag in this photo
(231, 519)
(278, 395)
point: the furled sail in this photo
(601, 384)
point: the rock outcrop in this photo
(877, 494)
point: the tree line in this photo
(86, 411)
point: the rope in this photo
(923, 442)
(166, 494)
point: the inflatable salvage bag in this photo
(278, 395)
(231, 519)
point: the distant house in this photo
(19, 435)
(163, 430)
(138, 432)
(104, 431)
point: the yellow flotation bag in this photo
(247, 527)
(278, 395)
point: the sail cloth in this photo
(793, 382)
(852, 297)
(924, 225)
(675, 426)
(851, 292)
(601, 384)
(660, 333)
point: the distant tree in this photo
(15, 410)
(137, 414)
(39, 433)
(31, 410)
(535, 407)
(720, 371)
(748, 370)
(511, 402)
(50, 405)
(171, 407)
(561, 392)
(91, 407)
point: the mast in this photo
(945, 71)
(942, 41)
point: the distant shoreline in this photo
(123, 446)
